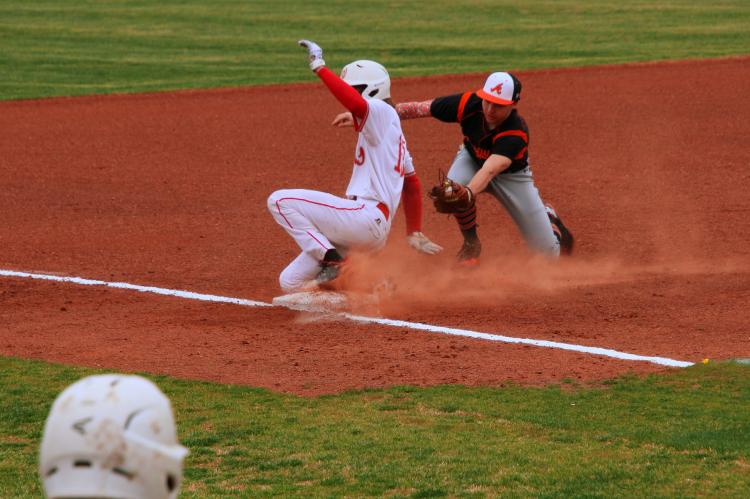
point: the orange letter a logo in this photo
(497, 88)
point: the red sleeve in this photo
(350, 98)
(412, 199)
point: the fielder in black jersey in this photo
(509, 139)
(494, 157)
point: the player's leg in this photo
(325, 226)
(294, 210)
(300, 272)
(520, 197)
(462, 170)
(351, 225)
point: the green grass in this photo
(683, 434)
(73, 47)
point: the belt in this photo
(381, 206)
(384, 208)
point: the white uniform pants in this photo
(520, 197)
(319, 221)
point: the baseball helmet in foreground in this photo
(111, 436)
(373, 76)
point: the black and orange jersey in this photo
(509, 139)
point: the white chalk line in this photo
(606, 352)
(134, 287)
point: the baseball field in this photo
(139, 141)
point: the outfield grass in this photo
(683, 434)
(73, 47)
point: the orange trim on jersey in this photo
(478, 151)
(512, 133)
(520, 154)
(462, 105)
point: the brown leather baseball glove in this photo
(450, 196)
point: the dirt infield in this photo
(648, 165)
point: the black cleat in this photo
(330, 268)
(561, 232)
(469, 253)
(328, 272)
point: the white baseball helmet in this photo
(111, 436)
(371, 75)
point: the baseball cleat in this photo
(468, 256)
(330, 269)
(561, 232)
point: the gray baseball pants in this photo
(520, 197)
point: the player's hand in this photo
(422, 243)
(449, 196)
(315, 54)
(343, 120)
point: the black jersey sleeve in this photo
(446, 108)
(511, 144)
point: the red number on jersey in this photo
(400, 168)
(360, 159)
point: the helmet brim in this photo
(493, 98)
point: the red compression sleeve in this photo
(412, 199)
(344, 92)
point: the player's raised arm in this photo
(346, 95)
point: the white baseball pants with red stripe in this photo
(319, 221)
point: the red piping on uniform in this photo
(399, 167)
(359, 125)
(316, 240)
(278, 208)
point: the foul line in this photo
(143, 289)
(606, 352)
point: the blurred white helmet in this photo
(111, 436)
(371, 75)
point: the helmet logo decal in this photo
(79, 425)
(497, 88)
(360, 159)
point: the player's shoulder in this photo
(454, 99)
(384, 111)
(380, 106)
(515, 122)
(473, 101)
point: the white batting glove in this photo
(315, 54)
(422, 243)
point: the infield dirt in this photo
(647, 164)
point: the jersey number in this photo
(360, 159)
(400, 168)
